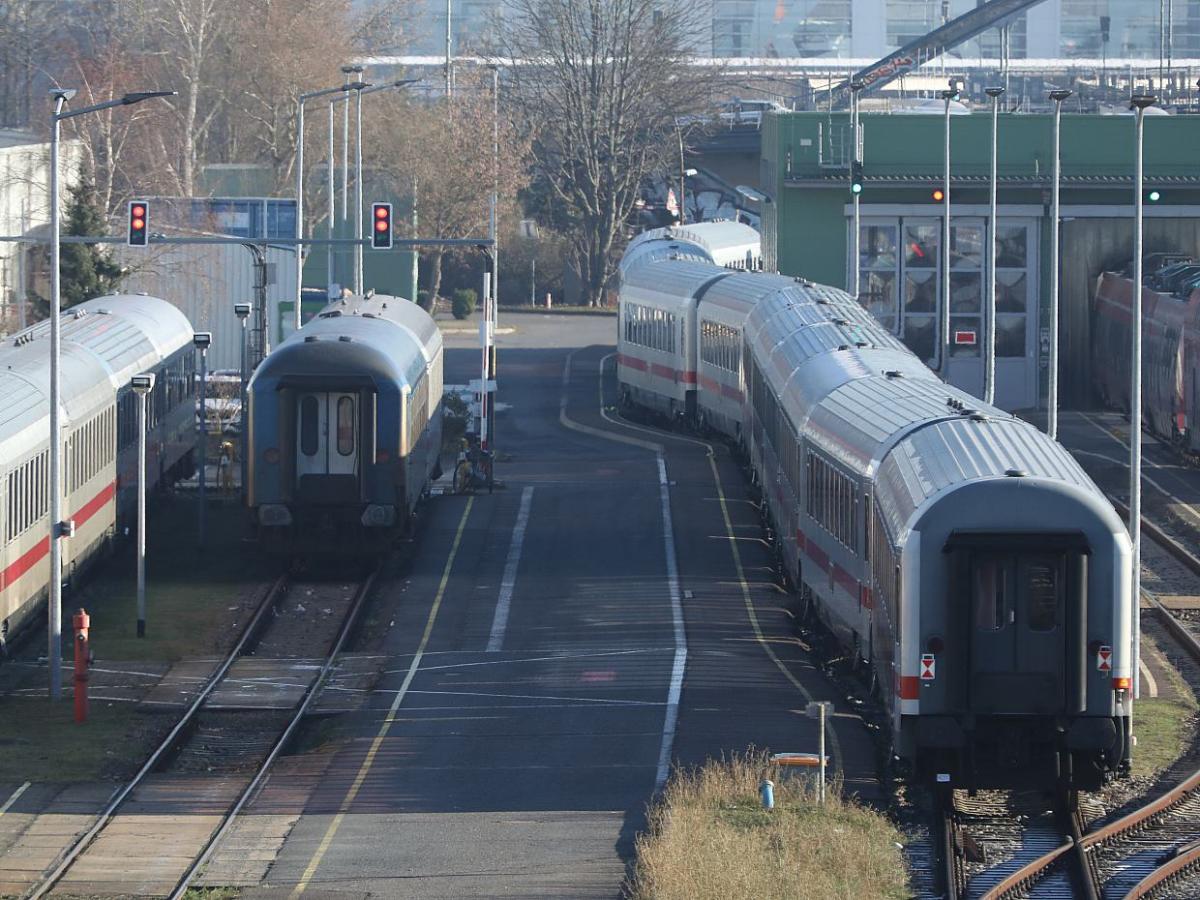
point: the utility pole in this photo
(989, 367)
(1058, 96)
(944, 318)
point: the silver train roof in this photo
(725, 244)
(104, 343)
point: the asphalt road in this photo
(555, 646)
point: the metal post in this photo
(202, 443)
(299, 206)
(821, 753)
(484, 335)
(533, 279)
(494, 253)
(855, 224)
(329, 279)
(448, 14)
(358, 194)
(1139, 103)
(989, 325)
(944, 318)
(682, 179)
(141, 516)
(54, 606)
(242, 310)
(1058, 96)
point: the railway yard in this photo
(489, 711)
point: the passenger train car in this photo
(104, 343)
(963, 557)
(345, 427)
(1170, 355)
(657, 359)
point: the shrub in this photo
(463, 303)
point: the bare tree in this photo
(600, 85)
(27, 34)
(445, 147)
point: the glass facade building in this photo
(868, 29)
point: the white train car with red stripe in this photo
(104, 343)
(962, 557)
(658, 346)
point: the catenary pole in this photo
(1058, 96)
(989, 325)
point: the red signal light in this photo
(138, 210)
(139, 221)
(938, 195)
(381, 238)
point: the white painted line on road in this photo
(16, 795)
(509, 580)
(1180, 504)
(517, 660)
(672, 717)
(613, 701)
(1148, 678)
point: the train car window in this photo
(345, 426)
(991, 600)
(1043, 596)
(308, 426)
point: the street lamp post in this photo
(944, 323)
(59, 528)
(242, 311)
(201, 341)
(329, 279)
(1058, 96)
(300, 101)
(989, 367)
(142, 385)
(1139, 102)
(855, 189)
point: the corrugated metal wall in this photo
(205, 280)
(1091, 246)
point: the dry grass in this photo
(710, 838)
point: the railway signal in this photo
(381, 229)
(938, 195)
(139, 223)
(856, 177)
(1153, 196)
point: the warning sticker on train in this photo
(928, 666)
(1104, 658)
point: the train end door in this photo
(328, 463)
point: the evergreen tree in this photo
(87, 269)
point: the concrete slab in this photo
(181, 683)
(257, 683)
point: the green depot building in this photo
(807, 217)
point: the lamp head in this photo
(351, 69)
(201, 340)
(1058, 95)
(241, 310)
(993, 92)
(63, 94)
(950, 94)
(143, 383)
(857, 86)
(1142, 101)
(139, 96)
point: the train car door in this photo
(1017, 633)
(327, 434)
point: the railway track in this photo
(204, 740)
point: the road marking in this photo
(834, 743)
(1148, 678)
(13, 799)
(570, 423)
(369, 761)
(528, 659)
(605, 700)
(677, 669)
(509, 580)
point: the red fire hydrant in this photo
(82, 658)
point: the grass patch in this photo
(189, 592)
(710, 838)
(43, 743)
(216, 893)
(1162, 727)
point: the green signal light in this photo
(856, 188)
(1154, 196)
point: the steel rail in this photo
(282, 741)
(67, 858)
(1182, 862)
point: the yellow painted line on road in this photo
(377, 743)
(834, 744)
(16, 795)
